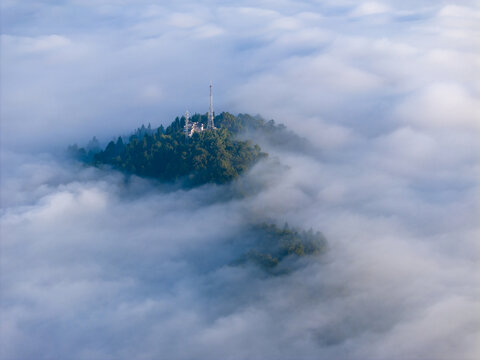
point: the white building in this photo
(192, 127)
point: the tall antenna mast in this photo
(210, 124)
(187, 118)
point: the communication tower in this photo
(210, 124)
(187, 124)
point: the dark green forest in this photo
(166, 154)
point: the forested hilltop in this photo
(216, 156)
(269, 245)
(211, 156)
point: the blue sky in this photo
(102, 268)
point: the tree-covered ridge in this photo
(272, 244)
(213, 156)
(166, 154)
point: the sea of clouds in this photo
(98, 265)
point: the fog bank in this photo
(99, 265)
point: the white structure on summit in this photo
(192, 127)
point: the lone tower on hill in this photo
(187, 124)
(210, 124)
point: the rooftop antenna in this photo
(210, 124)
(187, 118)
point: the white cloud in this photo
(370, 8)
(35, 44)
(101, 266)
(208, 31)
(459, 11)
(151, 94)
(442, 105)
(183, 20)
